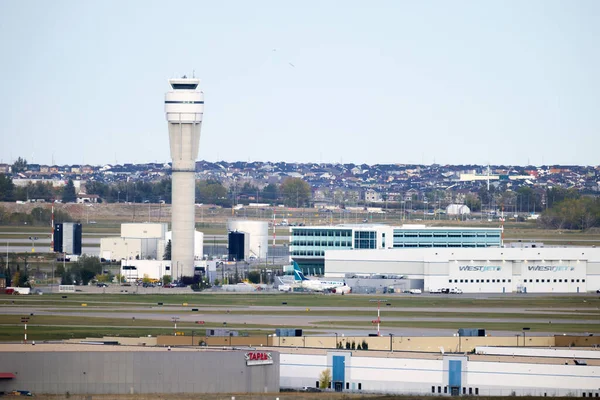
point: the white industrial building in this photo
(258, 232)
(141, 248)
(198, 245)
(477, 270)
(444, 374)
(137, 241)
(133, 270)
(457, 209)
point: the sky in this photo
(448, 82)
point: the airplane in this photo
(317, 285)
(284, 288)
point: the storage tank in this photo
(259, 235)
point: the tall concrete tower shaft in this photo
(184, 106)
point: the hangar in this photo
(476, 270)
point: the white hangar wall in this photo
(434, 376)
(474, 270)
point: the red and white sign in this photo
(258, 358)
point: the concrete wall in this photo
(539, 352)
(577, 341)
(137, 372)
(429, 344)
(144, 230)
(399, 343)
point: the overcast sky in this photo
(451, 82)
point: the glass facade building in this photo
(309, 243)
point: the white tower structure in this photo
(184, 106)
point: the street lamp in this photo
(524, 330)
(336, 340)
(33, 239)
(459, 341)
(174, 319)
(391, 342)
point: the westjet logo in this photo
(550, 268)
(479, 268)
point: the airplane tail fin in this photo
(298, 275)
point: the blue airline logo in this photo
(549, 268)
(479, 268)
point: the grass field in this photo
(568, 314)
(589, 302)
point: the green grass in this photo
(308, 300)
(592, 315)
(49, 327)
(567, 309)
(454, 325)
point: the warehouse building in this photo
(446, 374)
(96, 369)
(476, 270)
(308, 244)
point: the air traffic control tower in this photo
(184, 106)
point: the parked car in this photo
(169, 285)
(21, 393)
(101, 284)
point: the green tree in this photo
(167, 255)
(166, 279)
(60, 270)
(473, 202)
(582, 213)
(8, 275)
(325, 378)
(295, 192)
(270, 193)
(19, 166)
(69, 195)
(85, 268)
(104, 278)
(558, 194)
(254, 276)
(211, 192)
(67, 278)
(7, 188)
(248, 190)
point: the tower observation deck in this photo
(184, 107)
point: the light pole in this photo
(336, 340)
(525, 330)
(391, 342)
(33, 239)
(459, 341)
(174, 319)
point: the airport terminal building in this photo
(476, 270)
(308, 244)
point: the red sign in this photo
(258, 358)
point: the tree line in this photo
(36, 191)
